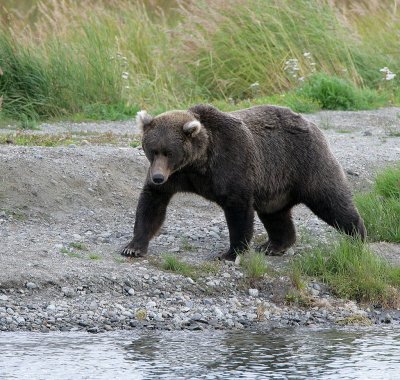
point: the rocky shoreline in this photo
(66, 210)
(166, 301)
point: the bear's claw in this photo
(132, 252)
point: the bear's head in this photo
(171, 141)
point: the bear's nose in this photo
(158, 178)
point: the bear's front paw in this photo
(132, 250)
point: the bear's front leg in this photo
(150, 215)
(240, 224)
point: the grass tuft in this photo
(380, 208)
(254, 264)
(78, 245)
(174, 264)
(334, 93)
(352, 271)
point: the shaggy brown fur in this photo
(265, 159)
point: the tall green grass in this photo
(380, 208)
(352, 271)
(104, 59)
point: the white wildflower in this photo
(388, 75)
(291, 66)
(307, 54)
(125, 75)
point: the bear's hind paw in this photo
(270, 249)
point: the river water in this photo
(278, 354)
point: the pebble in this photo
(68, 291)
(30, 285)
(253, 292)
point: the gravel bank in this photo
(65, 211)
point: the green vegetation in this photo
(380, 208)
(25, 138)
(254, 264)
(334, 93)
(174, 264)
(78, 245)
(106, 60)
(357, 320)
(93, 256)
(186, 246)
(352, 271)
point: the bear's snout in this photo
(160, 171)
(158, 178)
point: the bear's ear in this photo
(192, 128)
(143, 119)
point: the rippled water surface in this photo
(280, 354)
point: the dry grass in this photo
(107, 59)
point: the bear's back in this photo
(259, 118)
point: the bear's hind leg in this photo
(339, 212)
(281, 232)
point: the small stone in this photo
(77, 237)
(21, 320)
(214, 234)
(314, 292)
(30, 285)
(131, 292)
(218, 312)
(352, 173)
(51, 307)
(237, 260)
(197, 317)
(290, 252)
(316, 286)
(253, 292)
(67, 291)
(3, 297)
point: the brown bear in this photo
(265, 159)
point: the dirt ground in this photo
(85, 194)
